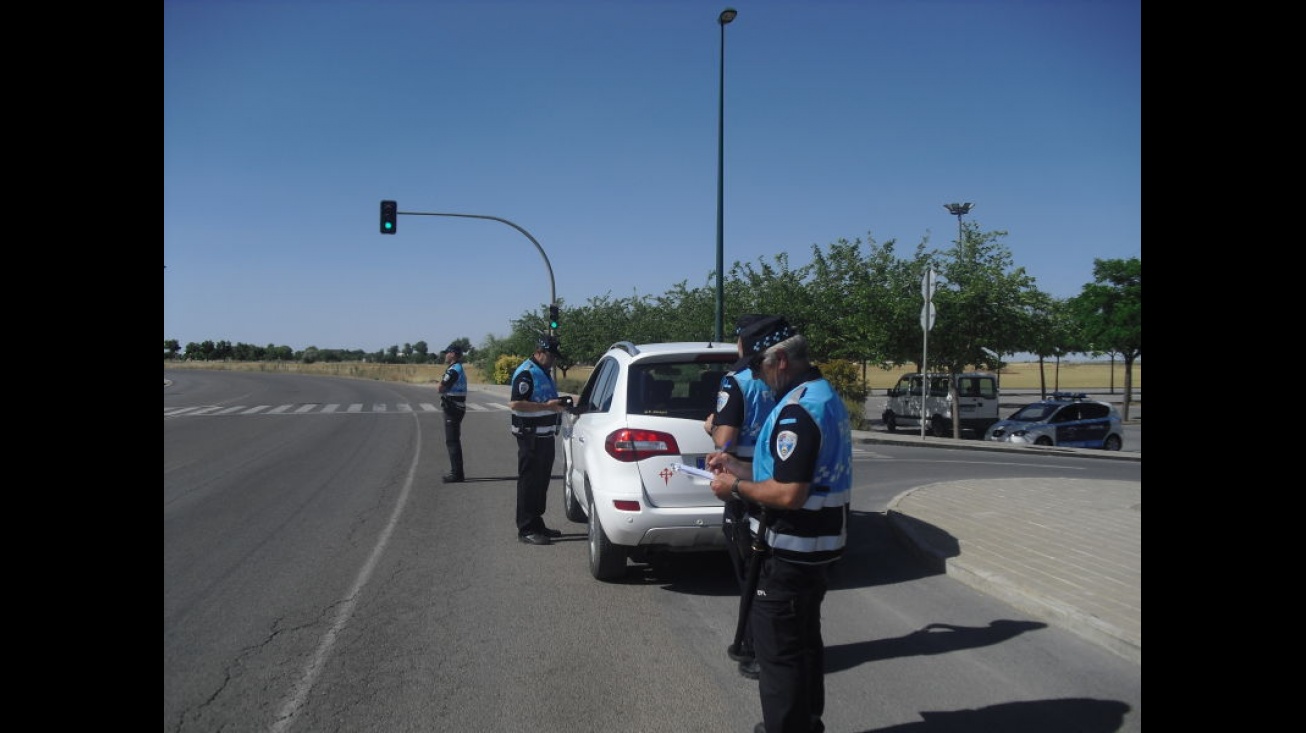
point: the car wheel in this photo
(1112, 442)
(1043, 440)
(890, 421)
(607, 561)
(571, 507)
(940, 428)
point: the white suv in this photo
(641, 412)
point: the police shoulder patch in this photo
(785, 443)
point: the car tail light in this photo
(627, 445)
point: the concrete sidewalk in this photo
(1066, 551)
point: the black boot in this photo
(453, 478)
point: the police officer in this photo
(801, 481)
(453, 400)
(742, 404)
(536, 409)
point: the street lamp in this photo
(959, 210)
(723, 19)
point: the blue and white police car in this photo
(1065, 419)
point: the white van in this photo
(977, 393)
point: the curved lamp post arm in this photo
(553, 290)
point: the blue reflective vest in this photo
(540, 423)
(759, 400)
(818, 531)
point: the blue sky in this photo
(592, 124)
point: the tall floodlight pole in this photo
(959, 210)
(723, 20)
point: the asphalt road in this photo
(319, 577)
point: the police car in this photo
(1069, 420)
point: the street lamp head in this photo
(959, 209)
(727, 15)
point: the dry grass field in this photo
(1023, 375)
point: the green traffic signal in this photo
(553, 317)
(389, 217)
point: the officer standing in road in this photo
(453, 400)
(536, 409)
(801, 482)
(742, 404)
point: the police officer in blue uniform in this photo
(742, 404)
(453, 400)
(536, 412)
(800, 480)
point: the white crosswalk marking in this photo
(317, 408)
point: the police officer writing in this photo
(536, 412)
(797, 490)
(453, 400)
(742, 404)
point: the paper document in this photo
(692, 471)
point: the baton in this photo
(750, 589)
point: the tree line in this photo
(856, 301)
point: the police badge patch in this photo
(785, 443)
(721, 398)
(522, 387)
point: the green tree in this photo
(1110, 314)
(421, 353)
(980, 307)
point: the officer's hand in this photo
(722, 462)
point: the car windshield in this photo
(1036, 412)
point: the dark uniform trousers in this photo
(786, 626)
(454, 411)
(534, 467)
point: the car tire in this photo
(1112, 442)
(1043, 440)
(571, 507)
(939, 427)
(607, 561)
(890, 421)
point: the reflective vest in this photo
(459, 386)
(540, 423)
(759, 400)
(818, 531)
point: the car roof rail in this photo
(627, 347)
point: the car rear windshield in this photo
(685, 389)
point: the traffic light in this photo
(553, 317)
(389, 217)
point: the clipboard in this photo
(693, 471)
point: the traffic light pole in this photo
(553, 290)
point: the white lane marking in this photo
(299, 692)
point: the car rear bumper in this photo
(681, 529)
